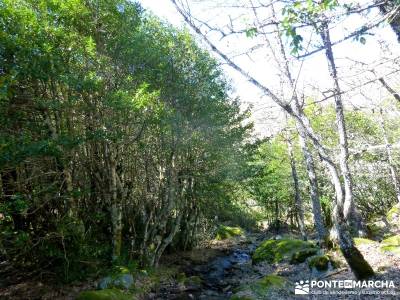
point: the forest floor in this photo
(229, 272)
(224, 270)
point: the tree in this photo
(116, 132)
(355, 259)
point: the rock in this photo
(392, 245)
(272, 281)
(275, 251)
(210, 293)
(226, 232)
(104, 283)
(106, 294)
(122, 281)
(301, 256)
(393, 215)
(319, 262)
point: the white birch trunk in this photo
(349, 210)
(297, 196)
(392, 168)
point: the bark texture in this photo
(349, 209)
(297, 196)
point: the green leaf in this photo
(251, 32)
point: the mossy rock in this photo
(274, 251)
(271, 281)
(391, 244)
(261, 288)
(302, 255)
(393, 212)
(226, 232)
(108, 294)
(363, 241)
(319, 262)
(393, 216)
(119, 281)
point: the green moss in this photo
(393, 212)
(226, 232)
(108, 294)
(261, 288)
(363, 241)
(284, 249)
(272, 281)
(393, 240)
(391, 244)
(319, 262)
(302, 255)
(122, 270)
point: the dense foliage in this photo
(271, 184)
(117, 140)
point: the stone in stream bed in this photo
(121, 281)
(274, 251)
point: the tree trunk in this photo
(314, 192)
(353, 256)
(309, 161)
(297, 196)
(391, 164)
(349, 210)
(116, 205)
(116, 220)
